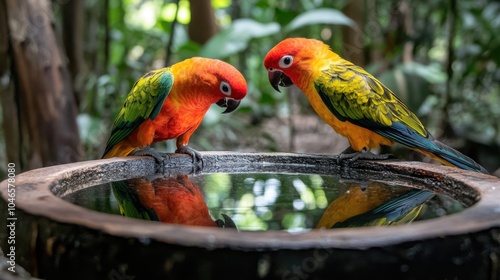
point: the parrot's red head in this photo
(220, 79)
(288, 60)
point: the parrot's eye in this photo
(286, 61)
(225, 88)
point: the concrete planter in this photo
(58, 240)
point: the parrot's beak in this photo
(227, 223)
(278, 78)
(229, 104)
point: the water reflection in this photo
(375, 205)
(291, 202)
(173, 200)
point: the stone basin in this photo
(56, 239)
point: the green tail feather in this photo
(456, 158)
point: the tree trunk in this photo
(10, 118)
(43, 96)
(202, 25)
(72, 33)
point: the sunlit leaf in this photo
(218, 4)
(236, 37)
(319, 16)
(143, 16)
(183, 14)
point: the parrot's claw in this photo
(148, 151)
(350, 155)
(227, 223)
(195, 155)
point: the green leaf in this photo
(319, 16)
(237, 37)
(220, 4)
(283, 17)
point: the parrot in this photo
(354, 103)
(170, 103)
(374, 205)
(173, 200)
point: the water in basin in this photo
(264, 201)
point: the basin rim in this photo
(36, 195)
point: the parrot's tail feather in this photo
(427, 145)
(404, 204)
(121, 149)
(450, 156)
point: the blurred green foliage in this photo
(138, 33)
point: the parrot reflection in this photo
(173, 200)
(375, 205)
(177, 200)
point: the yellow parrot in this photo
(354, 103)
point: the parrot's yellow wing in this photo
(353, 95)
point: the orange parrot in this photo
(170, 103)
(173, 200)
(354, 103)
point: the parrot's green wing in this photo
(400, 210)
(129, 203)
(353, 95)
(144, 101)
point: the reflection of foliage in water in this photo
(296, 202)
(269, 201)
(289, 202)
